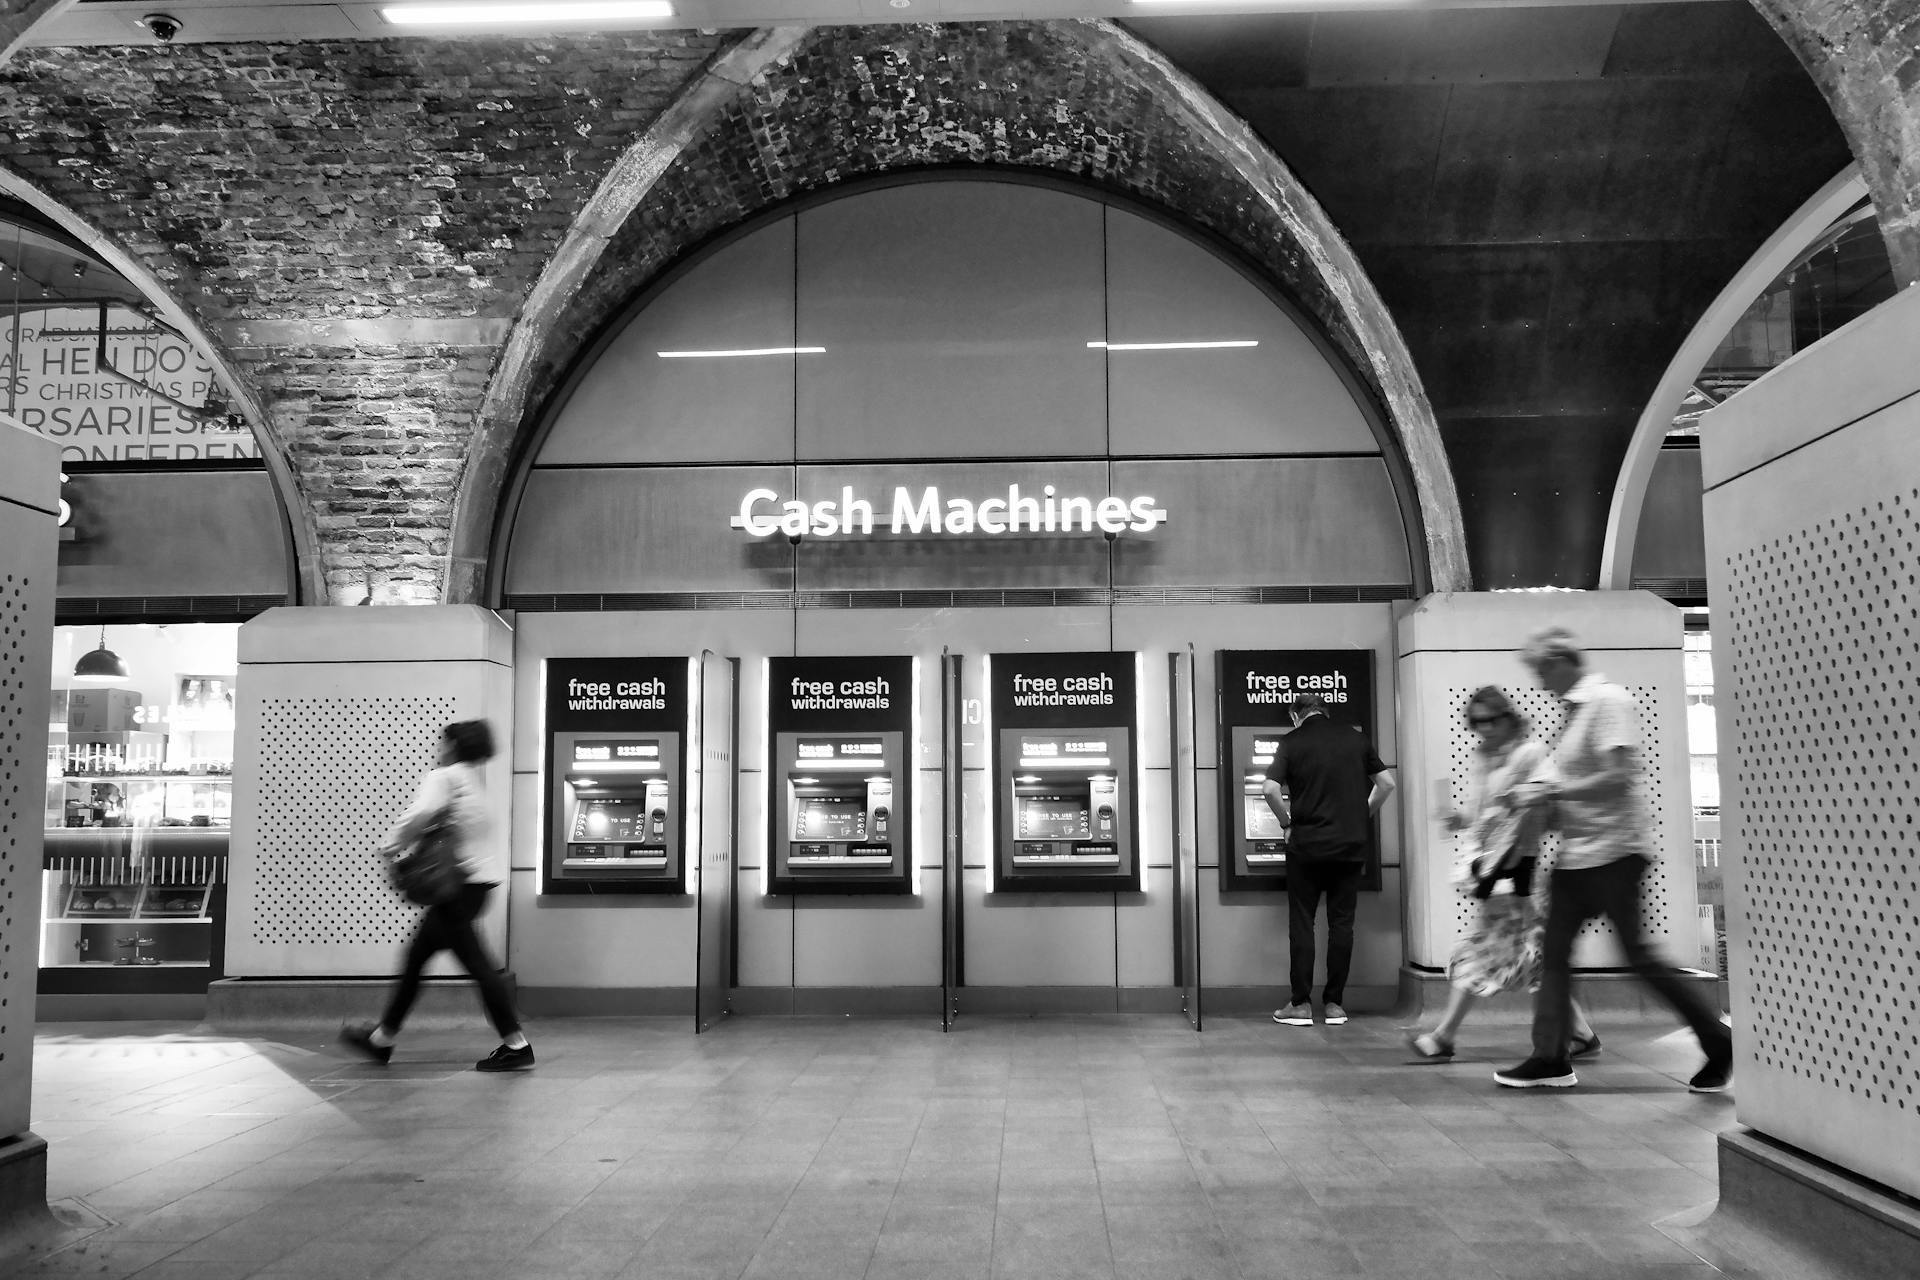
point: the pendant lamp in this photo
(101, 666)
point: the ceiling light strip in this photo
(745, 351)
(493, 15)
(1172, 346)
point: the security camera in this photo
(162, 26)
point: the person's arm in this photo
(1613, 779)
(433, 796)
(1383, 784)
(1276, 796)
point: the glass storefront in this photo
(139, 803)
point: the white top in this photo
(1601, 717)
(1496, 785)
(455, 786)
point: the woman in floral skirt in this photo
(1501, 951)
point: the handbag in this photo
(430, 873)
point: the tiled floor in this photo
(821, 1148)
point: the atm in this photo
(842, 775)
(1064, 802)
(1259, 842)
(616, 765)
(1256, 689)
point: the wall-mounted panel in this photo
(174, 533)
(644, 530)
(1272, 520)
(1280, 396)
(637, 405)
(1672, 538)
(955, 318)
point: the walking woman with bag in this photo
(435, 841)
(1501, 952)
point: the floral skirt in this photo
(1502, 950)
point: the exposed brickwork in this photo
(1083, 99)
(423, 180)
(1865, 56)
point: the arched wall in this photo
(951, 313)
(1081, 98)
(1656, 420)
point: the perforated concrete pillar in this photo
(29, 541)
(1449, 645)
(1813, 536)
(338, 715)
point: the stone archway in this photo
(1083, 98)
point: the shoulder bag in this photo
(430, 873)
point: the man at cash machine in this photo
(1327, 783)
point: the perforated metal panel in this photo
(1824, 729)
(27, 542)
(1543, 714)
(335, 774)
(332, 738)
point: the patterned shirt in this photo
(1594, 832)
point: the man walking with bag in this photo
(1606, 847)
(1326, 783)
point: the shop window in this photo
(139, 803)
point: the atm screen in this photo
(1057, 817)
(1262, 823)
(609, 820)
(831, 818)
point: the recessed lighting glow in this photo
(1171, 346)
(743, 351)
(418, 15)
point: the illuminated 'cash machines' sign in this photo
(615, 767)
(1063, 788)
(1257, 691)
(841, 809)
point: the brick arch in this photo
(182, 316)
(1865, 56)
(1085, 99)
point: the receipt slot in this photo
(841, 731)
(1257, 689)
(1064, 804)
(617, 729)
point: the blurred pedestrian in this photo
(451, 795)
(1606, 847)
(1501, 950)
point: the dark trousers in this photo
(1612, 890)
(449, 927)
(1307, 883)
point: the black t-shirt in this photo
(1328, 772)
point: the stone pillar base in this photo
(1785, 1215)
(23, 1192)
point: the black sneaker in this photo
(505, 1059)
(361, 1039)
(1537, 1073)
(1715, 1077)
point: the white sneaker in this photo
(1295, 1015)
(1334, 1015)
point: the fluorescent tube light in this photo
(1055, 762)
(500, 15)
(1171, 346)
(745, 351)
